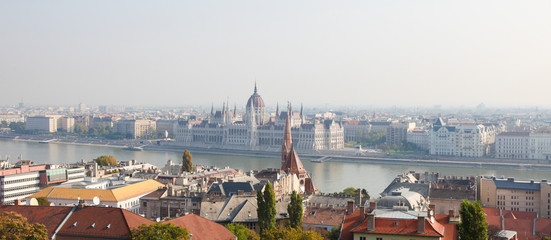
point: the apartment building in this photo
(135, 128)
(41, 123)
(513, 145)
(511, 194)
(20, 182)
(461, 139)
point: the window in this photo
(362, 238)
(379, 238)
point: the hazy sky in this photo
(376, 53)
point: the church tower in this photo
(287, 141)
(290, 162)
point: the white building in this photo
(257, 132)
(419, 137)
(461, 139)
(66, 124)
(136, 128)
(513, 145)
(124, 196)
(540, 146)
(41, 123)
(20, 182)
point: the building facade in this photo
(513, 145)
(20, 182)
(135, 128)
(41, 123)
(461, 139)
(511, 194)
(256, 131)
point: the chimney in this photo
(420, 224)
(240, 192)
(372, 206)
(350, 207)
(362, 213)
(370, 222)
(17, 202)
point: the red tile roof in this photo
(101, 222)
(450, 231)
(350, 221)
(50, 217)
(521, 222)
(202, 228)
(394, 226)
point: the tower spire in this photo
(212, 109)
(277, 110)
(287, 139)
(255, 87)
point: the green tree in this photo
(334, 233)
(266, 208)
(4, 124)
(18, 127)
(289, 234)
(14, 226)
(105, 160)
(242, 232)
(81, 128)
(43, 201)
(160, 231)
(350, 191)
(295, 210)
(187, 163)
(473, 225)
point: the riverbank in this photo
(334, 156)
(465, 163)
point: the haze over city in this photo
(355, 53)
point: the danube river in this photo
(328, 176)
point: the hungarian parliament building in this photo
(258, 130)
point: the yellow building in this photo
(126, 197)
(508, 194)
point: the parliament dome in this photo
(255, 100)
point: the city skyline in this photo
(379, 53)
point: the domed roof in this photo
(255, 100)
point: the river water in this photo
(328, 176)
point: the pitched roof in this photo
(114, 195)
(293, 163)
(51, 217)
(450, 231)
(323, 216)
(395, 226)
(229, 188)
(101, 222)
(202, 228)
(401, 227)
(83, 222)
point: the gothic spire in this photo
(287, 140)
(254, 87)
(212, 109)
(277, 110)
